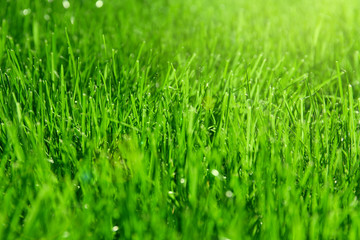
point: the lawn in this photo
(179, 119)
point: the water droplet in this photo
(182, 181)
(215, 172)
(66, 4)
(26, 12)
(229, 194)
(115, 228)
(224, 238)
(99, 4)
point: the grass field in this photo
(179, 119)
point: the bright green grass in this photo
(188, 119)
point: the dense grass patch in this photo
(189, 119)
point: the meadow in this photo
(169, 119)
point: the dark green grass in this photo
(179, 119)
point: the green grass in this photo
(191, 119)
